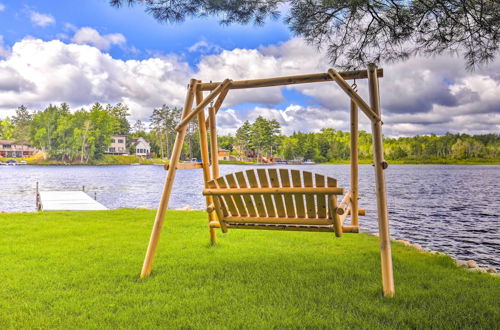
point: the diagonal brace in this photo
(200, 107)
(218, 103)
(354, 96)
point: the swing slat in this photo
(228, 199)
(246, 198)
(252, 180)
(278, 199)
(285, 182)
(268, 199)
(310, 204)
(299, 198)
(240, 205)
(320, 182)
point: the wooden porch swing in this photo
(279, 199)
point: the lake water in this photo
(453, 209)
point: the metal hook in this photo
(354, 86)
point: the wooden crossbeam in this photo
(284, 191)
(185, 166)
(289, 80)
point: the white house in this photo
(141, 147)
(118, 145)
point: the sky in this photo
(82, 52)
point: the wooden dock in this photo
(67, 201)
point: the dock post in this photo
(37, 198)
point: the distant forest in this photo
(85, 134)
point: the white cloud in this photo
(2, 7)
(204, 47)
(90, 36)
(40, 19)
(420, 96)
(52, 72)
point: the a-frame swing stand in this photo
(284, 201)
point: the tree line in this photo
(329, 145)
(85, 134)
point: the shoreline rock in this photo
(469, 264)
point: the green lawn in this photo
(72, 270)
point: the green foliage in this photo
(329, 145)
(120, 112)
(259, 138)
(22, 120)
(226, 142)
(358, 32)
(69, 270)
(6, 129)
(66, 136)
(243, 134)
(163, 123)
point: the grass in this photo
(70, 270)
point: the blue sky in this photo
(141, 30)
(82, 52)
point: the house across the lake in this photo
(9, 148)
(141, 147)
(118, 145)
(223, 154)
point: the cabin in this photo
(141, 147)
(11, 149)
(118, 145)
(224, 154)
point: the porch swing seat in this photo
(284, 199)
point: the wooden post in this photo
(205, 161)
(213, 143)
(218, 102)
(378, 157)
(354, 164)
(167, 188)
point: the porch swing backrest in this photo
(275, 197)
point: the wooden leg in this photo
(337, 224)
(354, 164)
(213, 142)
(378, 157)
(206, 163)
(167, 188)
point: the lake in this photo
(450, 208)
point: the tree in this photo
(263, 135)
(44, 126)
(120, 113)
(103, 125)
(6, 129)
(22, 125)
(357, 32)
(243, 137)
(138, 127)
(163, 123)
